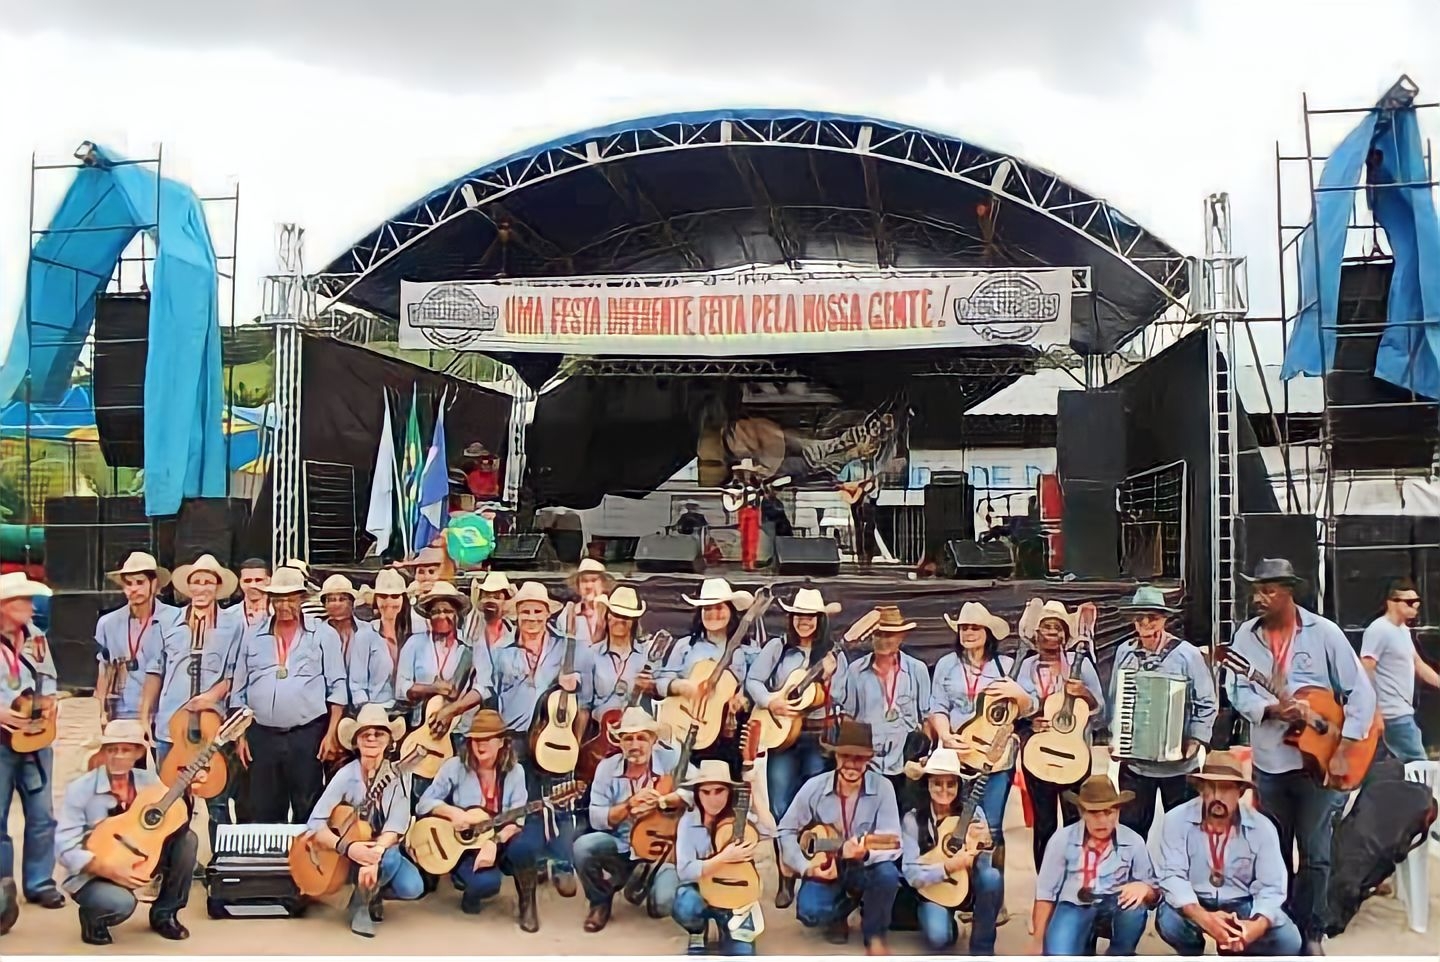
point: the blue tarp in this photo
(106, 206)
(1409, 352)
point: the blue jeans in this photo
(1302, 812)
(692, 914)
(398, 878)
(872, 887)
(218, 808)
(603, 869)
(1402, 739)
(560, 847)
(29, 774)
(786, 771)
(520, 853)
(1185, 936)
(1072, 927)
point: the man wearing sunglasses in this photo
(1390, 655)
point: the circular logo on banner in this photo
(452, 316)
(469, 539)
(1007, 307)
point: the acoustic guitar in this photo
(38, 729)
(821, 844)
(852, 491)
(993, 722)
(952, 835)
(1320, 735)
(438, 748)
(802, 690)
(437, 845)
(707, 708)
(190, 731)
(605, 742)
(555, 731)
(134, 838)
(319, 871)
(735, 886)
(1060, 754)
(652, 838)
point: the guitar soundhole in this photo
(1063, 723)
(998, 714)
(152, 818)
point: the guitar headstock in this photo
(234, 726)
(566, 792)
(408, 763)
(750, 742)
(1227, 657)
(660, 644)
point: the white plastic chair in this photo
(1412, 877)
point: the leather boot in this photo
(526, 881)
(359, 912)
(9, 905)
(94, 929)
(377, 909)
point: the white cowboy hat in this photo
(943, 761)
(1057, 611)
(304, 569)
(474, 450)
(717, 591)
(426, 556)
(140, 563)
(339, 585)
(590, 566)
(208, 563)
(534, 591)
(369, 716)
(974, 613)
(124, 731)
(712, 771)
(390, 582)
(808, 601)
(637, 720)
(623, 602)
(287, 581)
(497, 583)
(16, 584)
(443, 591)
(745, 464)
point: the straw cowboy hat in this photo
(339, 585)
(943, 761)
(426, 556)
(140, 563)
(390, 582)
(590, 566)
(497, 583)
(808, 601)
(717, 591)
(287, 581)
(16, 584)
(123, 731)
(206, 562)
(712, 771)
(891, 620)
(534, 591)
(487, 723)
(635, 721)
(1274, 571)
(369, 716)
(1224, 767)
(745, 465)
(1097, 793)
(852, 738)
(974, 613)
(1148, 598)
(623, 601)
(443, 591)
(304, 569)
(1058, 611)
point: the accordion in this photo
(249, 873)
(1149, 719)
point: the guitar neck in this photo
(511, 815)
(682, 764)
(742, 811)
(738, 638)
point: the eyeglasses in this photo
(1407, 601)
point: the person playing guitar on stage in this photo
(855, 802)
(1094, 870)
(918, 829)
(106, 893)
(368, 663)
(889, 691)
(742, 496)
(129, 637)
(695, 857)
(625, 788)
(1155, 649)
(590, 582)
(859, 485)
(26, 665)
(1298, 649)
(486, 777)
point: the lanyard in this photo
(494, 631)
(643, 781)
(282, 646)
(887, 689)
(972, 681)
(124, 791)
(533, 661)
(1040, 681)
(620, 665)
(136, 640)
(1217, 843)
(442, 661)
(1090, 858)
(847, 819)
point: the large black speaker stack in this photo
(122, 329)
(949, 511)
(813, 557)
(669, 552)
(1090, 459)
(1291, 536)
(1372, 550)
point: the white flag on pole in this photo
(380, 520)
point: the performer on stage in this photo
(106, 893)
(855, 802)
(859, 481)
(745, 492)
(1094, 871)
(889, 691)
(394, 620)
(590, 582)
(624, 791)
(1297, 649)
(380, 868)
(618, 662)
(368, 665)
(129, 637)
(1222, 871)
(1389, 655)
(918, 828)
(717, 616)
(488, 621)
(1156, 649)
(26, 664)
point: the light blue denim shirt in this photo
(693, 845)
(457, 785)
(1029, 679)
(313, 675)
(217, 662)
(112, 634)
(348, 786)
(774, 663)
(1061, 870)
(874, 811)
(1254, 868)
(608, 668)
(518, 691)
(88, 802)
(369, 669)
(36, 669)
(954, 681)
(611, 787)
(1183, 660)
(690, 651)
(866, 700)
(420, 665)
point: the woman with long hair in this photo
(390, 601)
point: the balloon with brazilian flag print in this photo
(469, 539)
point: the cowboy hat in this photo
(717, 591)
(124, 731)
(851, 738)
(287, 581)
(390, 582)
(16, 584)
(808, 601)
(339, 585)
(426, 556)
(1058, 611)
(1148, 598)
(1274, 570)
(636, 720)
(208, 563)
(745, 464)
(974, 613)
(712, 771)
(623, 601)
(369, 716)
(496, 582)
(943, 761)
(891, 620)
(1224, 767)
(534, 591)
(474, 450)
(1097, 793)
(304, 569)
(140, 563)
(487, 723)
(443, 591)
(589, 566)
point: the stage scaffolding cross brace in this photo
(288, 304)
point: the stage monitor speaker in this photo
(617, 550)
(815, 557)
(1291, 536)
(122, 328)
(1090, 437)
(949, 511)
(1091, 529)
(669, 552)
(968, 560)
(72, 633)
(522, 552)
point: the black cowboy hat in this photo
(1274, 571)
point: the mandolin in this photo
(437, 748)
(437, 845)
(821, 844)
(652, 838)
(1060, 754)
(38, 730)
(994, 720)
(555, 731)
(605, 742)
(735, 886)
(319, 871)
(952, 836)
(135, 837)
(1319, 736)
(717, 684)
(190, 731)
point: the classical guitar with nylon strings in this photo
(437, 845)
(1060, 753)
(605, 742)
(191, 730)
(736, 885)
(436, 746)
(952, 836)
(994, 720)
(715, 684)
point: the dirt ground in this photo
(434, 926)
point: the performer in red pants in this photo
(743, 496)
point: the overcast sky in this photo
(337, 113)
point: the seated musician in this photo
(106, 893)
(1154, 649)
(485, 778)
(918, 835)
(381, 869)
(1221, 870)
(625, 790)
(855, 802)
(1094, 871)
(696, 858)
